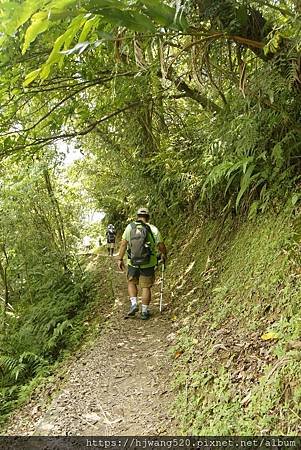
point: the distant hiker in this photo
(111, 236)
(141, 240)
(87, 243)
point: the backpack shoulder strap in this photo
(150, 231)
(133, 225)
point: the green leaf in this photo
(246, 162)
(295, 199)
(30, 77)
(242, 163)
(126, 18)
(45, 71)
(14, 15)
(277, 154)
(143, 23)
(73, 28)
(164, 15)
(106, 36)
(253, 210)
(230, 182)
(89, 25)
(39, 24)
(94, 5)
(60, 4)
(54, 55)
(245, 183)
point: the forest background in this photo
(189, 107)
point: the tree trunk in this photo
(58, 217)
(4, 279)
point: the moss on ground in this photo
(236, 295)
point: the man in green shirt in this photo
(144, 272)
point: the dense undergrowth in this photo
(236, 291)
(40, 335)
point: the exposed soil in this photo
(118, 386)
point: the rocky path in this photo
(119, 386)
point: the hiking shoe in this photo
(133, 310)
(145, 315)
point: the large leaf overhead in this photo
(39, 24)
(33, 18)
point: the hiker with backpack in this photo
(87, 243)
(142, 241)
(111, 236)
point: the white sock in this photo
(133, 300)
(144, 308)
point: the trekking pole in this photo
(161, 287)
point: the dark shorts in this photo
(145, 276)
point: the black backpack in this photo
(110, 236)
(139, 250)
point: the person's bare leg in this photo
(132, 289)
(133, 292)
(146, 296)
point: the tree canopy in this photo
(195, 97)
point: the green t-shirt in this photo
(153, 245)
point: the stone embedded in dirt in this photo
(35, 409)
(171, 337)
(45, 426)
(92, 417)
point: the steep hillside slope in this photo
(236, 292)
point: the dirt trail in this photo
(120, 386)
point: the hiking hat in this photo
(143, 212)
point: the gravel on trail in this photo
(120, 385)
